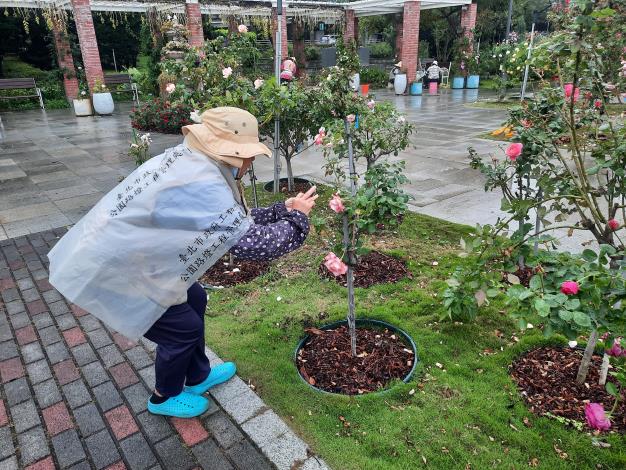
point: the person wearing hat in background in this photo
(433, 73)
(397, 68)
(131, 280)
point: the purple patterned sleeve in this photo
(268, 241)
(269, 215)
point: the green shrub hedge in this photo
(376, 77)
(381, 50)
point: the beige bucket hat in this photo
(228, 134)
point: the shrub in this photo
(161, 115)
(377, 78)
(381, 50)
(312, 53)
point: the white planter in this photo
(83, 107)
(103, 103)
(399, 84)
(355, 82)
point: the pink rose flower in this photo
(350, 118)
(334, 264)
(242, 28)
(570, 288)
(170, 87)
(613, 224)
(616, 350)
(514, 150)
(371, 104)
(596, 417)
(227, 72)
(336, 204)
(597, 104)
(319, 139)
(569, 89)
(258, 83)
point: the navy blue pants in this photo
(179, 334)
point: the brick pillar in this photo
(410, 38)
(399, 31)
(283, 29)
(194, 23)
(88, 41)
(65, 60)
(468, 20)
(350, 26)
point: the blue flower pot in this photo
(458, 82)
(472, 81)
(416, 88)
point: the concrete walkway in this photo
(73, 393)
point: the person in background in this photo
(433, 73)
(392, 74)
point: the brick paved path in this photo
(73, 393)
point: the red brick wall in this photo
(468, 19)
(399, 32)
(88, 41)
(410, 38)
(194, 24)
(285, 46)
(350, 27)
(64, 58)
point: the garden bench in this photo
(21, 84)
(113, 81)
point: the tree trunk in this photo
(231, 260)
(290, 181)
(348, 244)
(586, 360)
(604, 370)
(298, 47)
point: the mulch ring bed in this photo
(299, 186)
(373, 268)
(223, 275)
(326, 362)
(546, 378)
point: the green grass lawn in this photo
(465, 414)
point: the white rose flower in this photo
(195, 117)
(572, 344)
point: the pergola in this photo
(407, 13)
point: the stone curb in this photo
(278, 443)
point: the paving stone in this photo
(244, 455)
(42, 284)
(15, 307)
(9, 464)
(84, 465)
(57, 418)
(8, 350)
(68, 322)
(33, 445)
(4, 418)
(124, 375)
(223, 430)
(17, 391)
(139, 357)
(76, 394)
(6, 443)
(243, 407)
(66, 371)
(68, 448)
(32, 352)
(123, 342)
(89, 323)
(57, 352)
(25, 335)
(49, 335)
(52, 296)
(102, 449)
(99, 338)
(20, 320)
(121, 422)
(84, 354)
(88, 419)
(264, 428)
(77, 311)
(24, 284)
(314, 463)
(11, 369)
(94, 374)
(173, 454)
(38, 371)
(155, 427)
(47, 393)
(110, 355)
(5, 331)
(30, 295)
(10, 295)
(148, 376)
(40, 274)
(229, 390)
(137, 452)
(25, 416)
(42, 320)
(286, 450)
(137, 396)
(107, 396)
(36, 307)
(211, 456)
(191, 430)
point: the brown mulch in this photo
(546, 378)
(326, 362)
(298, 187)
(241, 272)
(373, 268)
(524, 274)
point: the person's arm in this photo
(268, 215)
(270, 241)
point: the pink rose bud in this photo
(319, 139)
(334, 264)
(597, 104)
(613, 224)
(336, 204)
(596, 417)
(570, 288)
(242, 28)
(170, 87)
(616, 350)
(569, 89)
(350, 117)
(514, 150)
